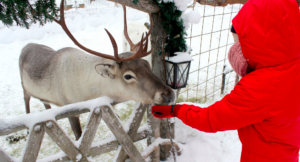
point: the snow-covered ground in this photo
(206, 147)
(88, 27)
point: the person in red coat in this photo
(265, 105)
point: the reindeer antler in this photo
(133, 47)
(140, 53)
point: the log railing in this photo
(39, 126)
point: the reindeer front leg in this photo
(75, 125)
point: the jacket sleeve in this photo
(247, 104)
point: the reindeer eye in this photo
(127, 77)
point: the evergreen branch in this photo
(135, 1)
(23, 14)
(174, 26)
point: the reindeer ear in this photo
(106, 70)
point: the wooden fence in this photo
(123, 138)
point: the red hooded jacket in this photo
(265, 105)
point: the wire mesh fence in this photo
(210, 41)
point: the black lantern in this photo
(177, 70)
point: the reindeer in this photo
(70, 75)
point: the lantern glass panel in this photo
(170, 73)
(182, 75)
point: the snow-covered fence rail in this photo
(45, 122)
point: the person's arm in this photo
(247, 104)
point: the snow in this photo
(97, 110)
(155, 143)
(189, 17)
(180, 57)
(144, 127)
(117, 154)
(103, 142)
(37, 128)
(228, 68)
(53, 157)
(49, 124)
(192, 17)
(78, 157)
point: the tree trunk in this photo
(157, 36)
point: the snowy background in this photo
(87, 25)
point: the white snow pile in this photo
(190, 17)
(155, 143)
(180, 57)
(228, 68)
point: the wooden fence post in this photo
(34, 143)
(223, 81)
(90, 131)
(154, 133)
(237, 79)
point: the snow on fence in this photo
(210, 74)
(81, 150)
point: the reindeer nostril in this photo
(163, 95)
(167, 99)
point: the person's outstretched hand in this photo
(165, 111)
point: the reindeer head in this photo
(134, 80)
